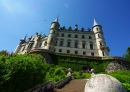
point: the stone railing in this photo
(45, 87)
(63, 82)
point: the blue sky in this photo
(21, 17)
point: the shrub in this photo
(123, 76)
(21, 72)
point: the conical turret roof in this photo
(56, 20)
(95, 23)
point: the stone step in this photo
(75, 85)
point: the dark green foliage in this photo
(127, 54)
(123, 77)
(21, 72)
(56, 74)
(77, 62)
(78, 75)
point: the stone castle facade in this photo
(88, 42)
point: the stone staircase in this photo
(75, 85)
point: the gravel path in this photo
(76, 85)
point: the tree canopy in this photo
(127, 54)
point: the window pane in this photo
(83, 36)
(68, 44)
(61, 43)
(91, 46)
(83, 45)
(76, 44)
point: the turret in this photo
(23, 40)
(52, 35)
(101, 44)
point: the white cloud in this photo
(12, 6)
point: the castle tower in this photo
(100, 41)
(52, 35)
(23, 40)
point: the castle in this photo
(88, 42)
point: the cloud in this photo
(12, 6)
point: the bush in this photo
(78, 75)
(55, 74)
(123, 76)
(21, 72)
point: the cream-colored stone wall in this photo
(52, 42)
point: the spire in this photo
(24, 38)
(56, 20)
(95, 22)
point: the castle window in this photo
(30, 45)
(76, 52)
(40, 44)
(83, 45)
(68, 51)
(92, 53)
(57, 34)
(60, 50)
(76, 36)
(90, 37)
(54, 50)
(50, 48)
(55, 43)
(102, 53)
(84, 53)
(68, 44)
(62, 35)
(69, 35)
(100, 43)
(55, 25)
(91, 46)
(76, 44)
(61, 43)
(98, 36)
(53, 32)
(83, 36)
(97, 29)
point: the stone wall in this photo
(117, 65)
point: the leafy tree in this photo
(127, 54)
(4, 52)
(21, 72)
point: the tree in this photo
(127, 54)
